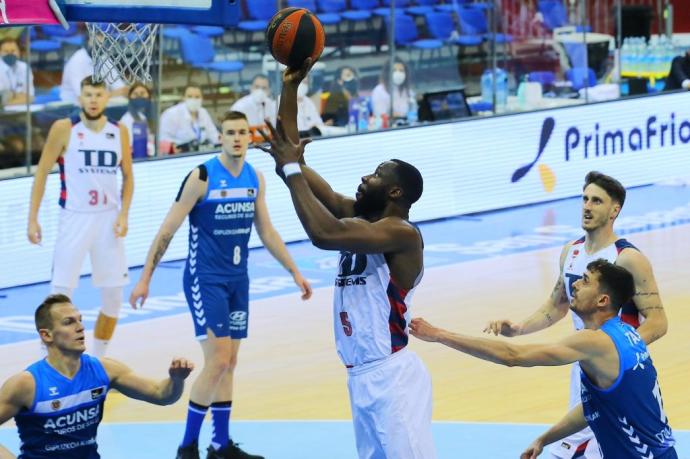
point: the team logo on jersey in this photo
(109, 135)
(80, 135)
(97, 393)
(351, 268)
(55, 405)
(250, 192)
(53, 391)
(223, 193)
(223, 183)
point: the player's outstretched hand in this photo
(502, 327)
(533, 450)
(139, 295)
(282, 149)
(120, 227)
(33, 232)
(180, 368)
(295, 76)
(303, 285)
(423, 330)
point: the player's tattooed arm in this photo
(161, 247)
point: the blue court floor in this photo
(317, 440)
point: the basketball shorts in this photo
(81, 233)
(583, 443)
(218, 304)
(391, 408)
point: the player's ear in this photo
(395, 192)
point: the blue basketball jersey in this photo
(628, 418)
(64, 418)
(221, 223)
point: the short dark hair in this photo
(232, 115)
(90, 81)
(43, 317)
(615, 281)
(138, 84)
(410, 180)
(613, 187)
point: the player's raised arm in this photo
(551, 311)
(163, 392)
(55, 145)
(572, 422)
(191, 191)
(647, 299)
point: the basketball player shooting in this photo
(381, 263)
(89, 149)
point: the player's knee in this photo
(111, 298)
(233, 362)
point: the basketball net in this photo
(122, 51)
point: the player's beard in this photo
(370, 203)
(92, 118)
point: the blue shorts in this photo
(219, 304)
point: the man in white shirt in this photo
(14, 74)
(257, 105)
(79, 66)
(187, 125)
(308, 117)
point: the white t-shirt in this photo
(307, 114)
(78, 67)
(13, 79)
(177, 126)
(256, 113)
(381, 100)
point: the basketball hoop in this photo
(122, 51)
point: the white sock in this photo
(98, 348)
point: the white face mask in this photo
(259, 95)
(193, 105)
(302, 90)
(398, 77)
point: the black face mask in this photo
(140, 106)
(352, 86)
(10, 59)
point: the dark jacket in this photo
(680, 71)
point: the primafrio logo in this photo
(548, 178)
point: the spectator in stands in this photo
(187, 126)
(309, 122)
(402, 91)
(79, 66)
(679, 76)
(136, 120)
(14, 74)
(343, 89)
(258, 104)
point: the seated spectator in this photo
(79, 66)
(679, 76)
(258, 104)
(13, 74)
(135, 119)
(309, 122)
(343, 89)
(187, 125)
(402, 92)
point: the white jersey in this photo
(88, 168)
(576, 262)
(370, 311)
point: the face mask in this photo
(193, 105)
(10, 59)
(302, 90)
(140, 106)
(259, 95)
(352, 86)
(398, 77)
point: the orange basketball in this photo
(293, 35)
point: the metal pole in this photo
(391, 60)
(27, 139)
(159, 92)
(492, 50)
(582, 13)
(619, 37)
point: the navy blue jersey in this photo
(64, 418)
(628, 418)
(221, 223)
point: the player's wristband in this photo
(291, 169)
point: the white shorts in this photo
(583, 443)
(80, 233)
(391, 408)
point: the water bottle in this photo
(501, 90)
(363, 122)
(487, 86)
(625, 56)
(353, 115)
(352, 125)
(412, 112)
